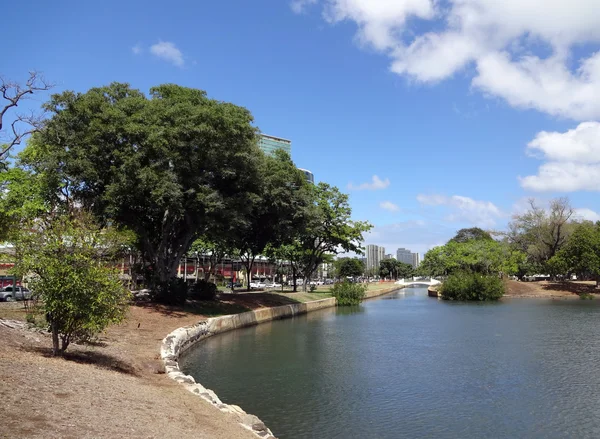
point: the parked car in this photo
(10, 293)
(273, 285)
(257, 285)
(235, 285)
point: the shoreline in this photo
(182, 339)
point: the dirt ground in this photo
(115, 388)
(569, 289)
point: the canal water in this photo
(410, 366)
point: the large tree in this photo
(329, 229)
(276, 211)
(540, 233)
(581, 253)
(349, 267)
(169, 166)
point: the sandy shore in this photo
(547, 289)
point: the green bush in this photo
(347, 293)
(204, 290)
(472, 286)
(173, 292)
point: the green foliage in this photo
(204, 290)
(540, 233)
(395, 269)
(474, 256)
(169, 167)
(328, 229)
(581, 253)
(21, 200)
(472, 286)
(586, 296)
(472, 234)
(347, 293)
(67, 260)
(276, 211)
(349, 267)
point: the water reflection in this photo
(349, 310)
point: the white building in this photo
(374, 254)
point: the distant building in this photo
(406, 256)
(389, 256)
(309, 175)
(270, 144)
(375, 255)
(416, 260)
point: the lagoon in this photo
(410, 366)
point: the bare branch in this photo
(14, 93)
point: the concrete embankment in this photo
(180, 340)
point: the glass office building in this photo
(269, 144)
(309, 175)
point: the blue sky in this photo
(421, 110)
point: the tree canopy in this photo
(169, 167)
(349, 267)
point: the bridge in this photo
(418, 281)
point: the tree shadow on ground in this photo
(571, 287)
(207, 308)
(258, 300)
(95, 358)
(224, 305)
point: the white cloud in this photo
(586, 214)
(167, 51)
(375, 184)
(299, 6)
(465, 209)
(581, 144)
(572, 160)
(137, 49)
(388, 205)
(564, 177)
(520, 54)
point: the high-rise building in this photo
(380, 255)
(416, 260)
(372, 254)
(408, 257)
(269, 144)
(309, 175)
(390, 256)
(375, 255)
(404, 255)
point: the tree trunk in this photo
(55, 347)
(295, 290)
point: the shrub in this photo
(347, 293)
(66, 257)
(172, 292)
(472, 286)
(204, 290)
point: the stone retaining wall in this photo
(180, 340)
